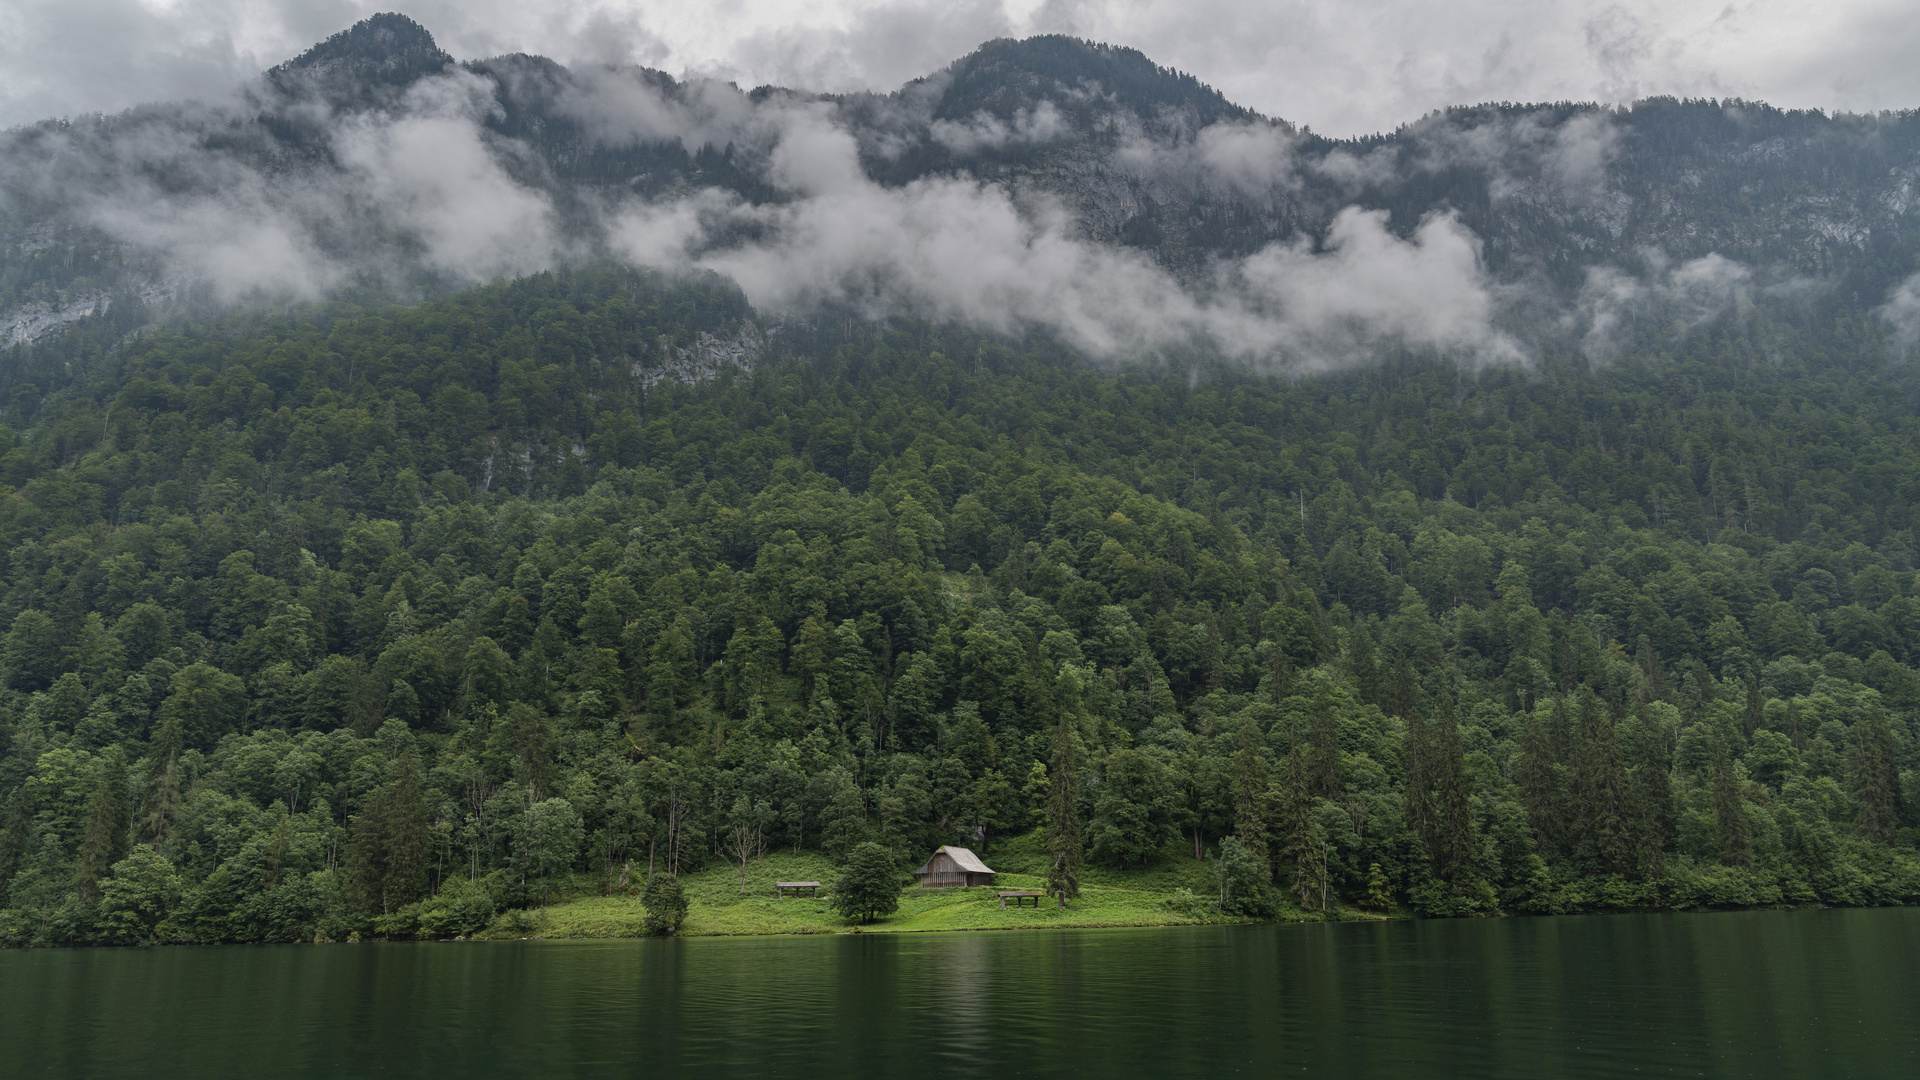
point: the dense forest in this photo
(358, 619)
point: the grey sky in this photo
(1340, 67)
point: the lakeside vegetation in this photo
(406, 621)
(1148, 897)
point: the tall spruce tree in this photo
(1538, 779)
(1650, 797)
(1729, 808)
(1303, 855)
(1323, 749)
(104, 840)
(1651, 680)
(1874, 776)
(1452, 790)
(1362, 667)
(387, 855)
(1696, 691)
(1065, 857)
(1250, 796)
(1417, 797)
(1397, 695)
(1598, 792)
(163, 780)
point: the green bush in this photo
(666, 904)
(870, 885)
(135, 900)
(518, 922)
(1244, 885)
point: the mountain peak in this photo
(384, 48)
(1005, 71)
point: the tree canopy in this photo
(334, 615)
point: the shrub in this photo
(870, 885)
(666, 904)
(1244, 888)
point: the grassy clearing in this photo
(716, 905)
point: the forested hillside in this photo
(364, 619)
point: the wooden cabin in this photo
(953, 867)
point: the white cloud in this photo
(424, 185)
(1253, 158)
(1370, 287)
(1687, 294)
(1043, 123)
(1902, 314)
(431, 175)
(955, 250)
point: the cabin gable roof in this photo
(962, 859)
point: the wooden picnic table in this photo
(1020, 897)
(780, 888)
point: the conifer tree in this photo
(1323, 750)
(519, 747)
(1362, 668)
(1651, 798)
(1599, 792)
(1539, 782)
(1398, 694)
(387, 855)
(1875, 777)
(1064, 855)
(1652, 680)
(104, 841)
(1417, 757)
(1250, 795)
(1698, 691)
(15, 822)
(163, 780)
(1452, 816)
(1302, 849)
(1729, 810)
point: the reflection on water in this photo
(1814, 994)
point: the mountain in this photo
(336, 172)
(434, 492)
(385, 50)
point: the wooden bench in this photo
(780, 888)
(1020, 898)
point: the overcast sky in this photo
(1341, 66)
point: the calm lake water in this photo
(1764, 994)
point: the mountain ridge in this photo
(1554, 197)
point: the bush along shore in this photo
(464, 620)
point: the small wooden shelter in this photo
(952, 867)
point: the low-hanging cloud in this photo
(1245, 157)
(1901, 313)
(959, 250)
(984, 131)
(422, 186)
(433, 177)
(1615, 304)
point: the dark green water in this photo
(1764, 994)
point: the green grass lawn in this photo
(716, 905)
